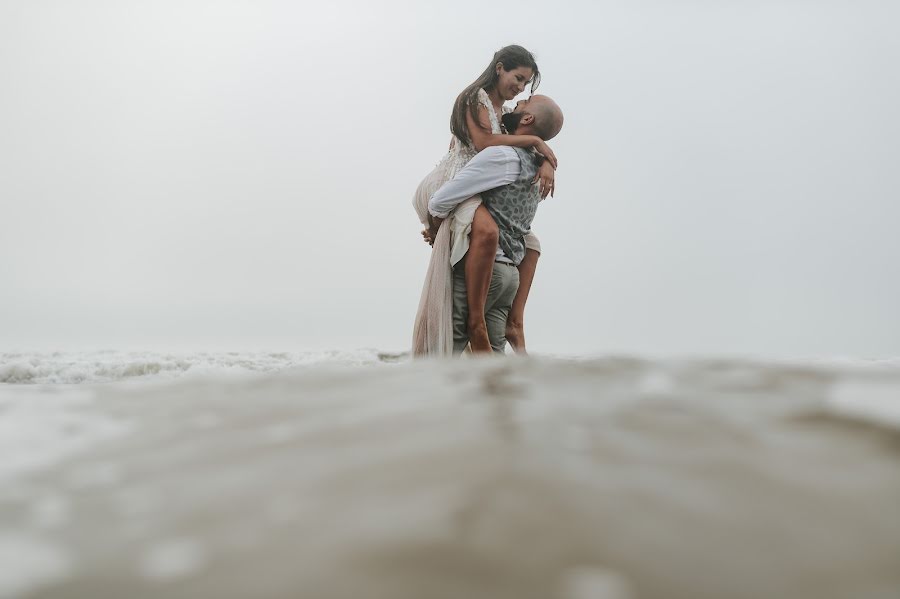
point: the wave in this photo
(109, 366)
(856, 389)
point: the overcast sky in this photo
(225, 174)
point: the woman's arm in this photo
(482, 137)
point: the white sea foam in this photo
(109, 366)
(106, 366)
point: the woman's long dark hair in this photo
(512, 57)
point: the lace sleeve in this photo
(486, 102)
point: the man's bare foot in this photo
(479, 341)
(515, 335)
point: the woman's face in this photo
(512, 83)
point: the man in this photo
(503, 176)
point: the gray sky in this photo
(228, 174)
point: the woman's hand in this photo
(545, 151)
(430, 234)
(546, 176)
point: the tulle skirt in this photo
(433, 327)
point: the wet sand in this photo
(548, 479)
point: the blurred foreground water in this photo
(610, 478)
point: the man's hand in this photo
(546, 176)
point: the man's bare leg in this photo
(479, 267)
(515, 324)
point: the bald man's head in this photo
(538, 115)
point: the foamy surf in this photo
(110, 365)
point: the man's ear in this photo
(528, 119)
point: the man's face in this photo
(511, 120)
(538, 115)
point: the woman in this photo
(475, 124)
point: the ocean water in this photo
(365, 473)
(108, 366)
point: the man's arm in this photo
(490, 168)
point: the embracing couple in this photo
(477, 206)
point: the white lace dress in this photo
(433, 328)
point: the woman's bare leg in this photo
(515, 324)
(479, 267)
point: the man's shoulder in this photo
(496, 159)
(529, 153)
(501, 153)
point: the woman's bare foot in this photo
(515, 335)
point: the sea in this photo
(365, 473)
